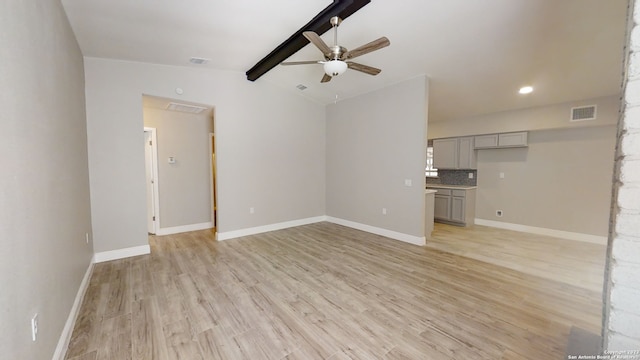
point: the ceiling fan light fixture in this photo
(335, 67)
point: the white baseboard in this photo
(184, 228)
(415, 240)
(593, 239)
(67, 331)
(272, 227)
(122, 253)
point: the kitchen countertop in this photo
(443, 186)
(428, 191)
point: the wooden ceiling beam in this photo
(319, 24)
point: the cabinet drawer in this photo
(442, 191)
(460, 193)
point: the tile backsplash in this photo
(455, 177)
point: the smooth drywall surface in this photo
(185, 186)
(539, 118)
(44, 183)
(270, 148)
(374, 143)
(562, 181)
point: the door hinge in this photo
(154, 218)
(150, 143)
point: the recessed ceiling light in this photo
(525, 90)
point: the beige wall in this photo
(375, 142)
(184, 187)
(44, 182)
(538, 118)
(567, 164)
(270, 147)
(562, 181)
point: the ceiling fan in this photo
(337, 58)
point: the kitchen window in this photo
(430, 170)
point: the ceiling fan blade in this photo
(363, 68)
(367, 48)
(301, 62)
(318, 42)
(325, 78)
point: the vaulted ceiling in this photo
(477, 54)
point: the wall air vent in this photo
(583, 113)
(186, 108)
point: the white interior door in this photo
(150, 166)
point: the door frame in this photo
(154, 170)
(213, 181)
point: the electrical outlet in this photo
(499, 213)
(384, 211)
(408, 182)
(252, 210)
(86, 237)
(470, 175)
(501, 175)
(34, 327)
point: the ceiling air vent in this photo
(583, 113)
(198, 60)
(186, 108)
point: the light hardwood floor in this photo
(571, 262)
(322, 291)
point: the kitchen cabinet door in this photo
(466, 153)
(486, 141)
(445, 153)
(454, 153)
(518, 139)
(458, 209)
(442, 207)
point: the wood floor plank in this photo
(324, 291)
(115, 339)
(179, 342)
(148, 341)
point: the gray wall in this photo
(537, 118)
(270, 147)
(44, 183)
(184, 187)
(375, 142)
(562, 181)
(567, 164)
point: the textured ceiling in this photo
(476, 53)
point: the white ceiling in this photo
(476, 53)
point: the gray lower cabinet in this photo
(442, 207)
(458, 209)
(455, 206)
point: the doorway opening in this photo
(184, 175)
